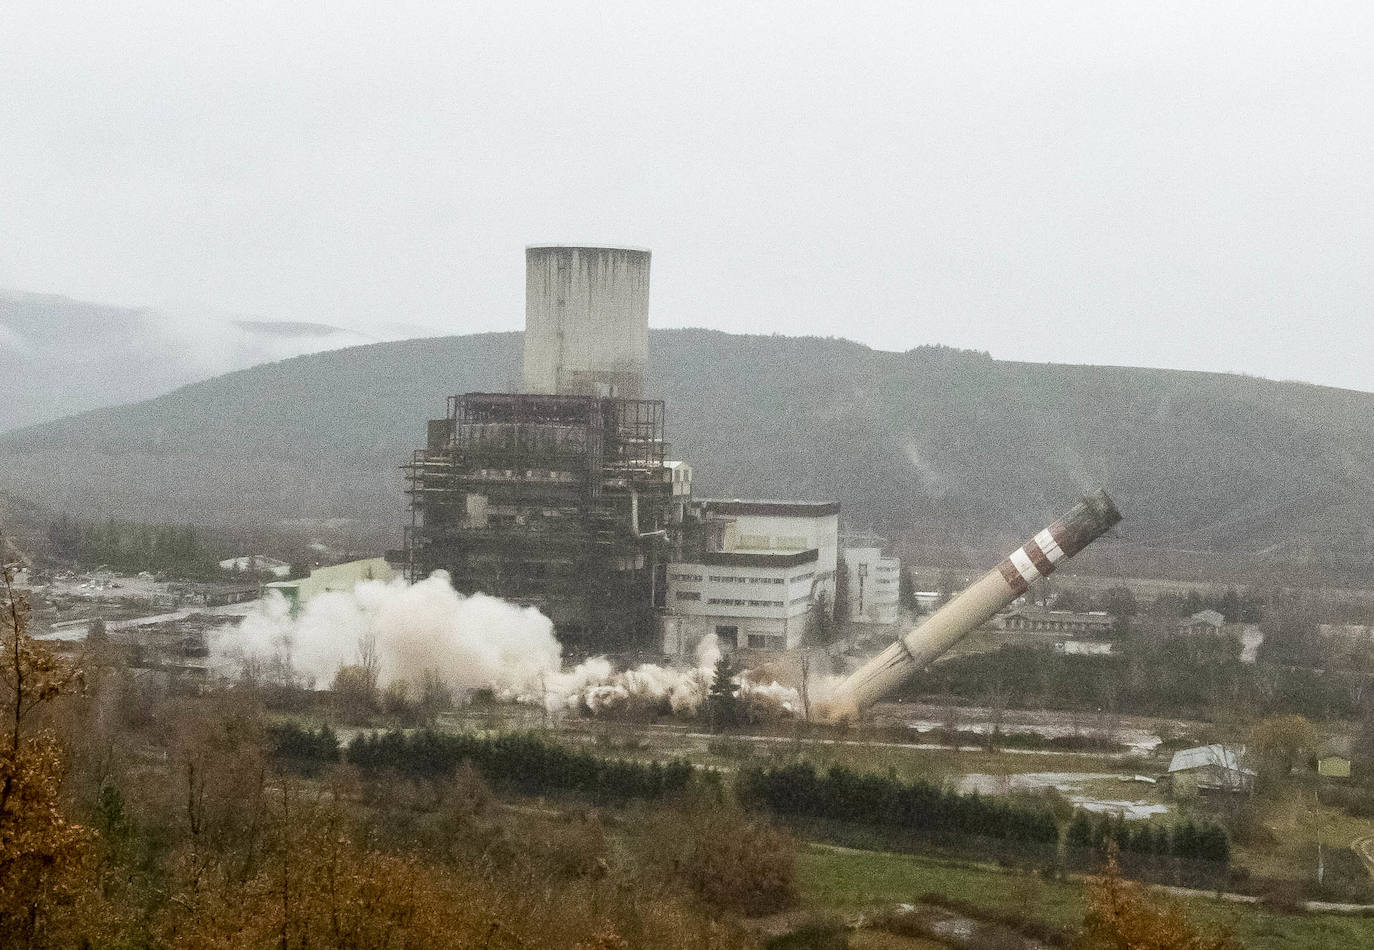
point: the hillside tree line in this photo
(129, 547)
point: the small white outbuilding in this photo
(1211, 768)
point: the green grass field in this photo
(842, 879)
(845, 881)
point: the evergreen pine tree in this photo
(724, 705)
(1081, 832)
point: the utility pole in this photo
(1317, 814)
(863, 575)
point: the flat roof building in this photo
(336, 577)
(1040, 619)
(749, 601)
(754, 573)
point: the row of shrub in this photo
(520, 761)
(842, 795)
(997, 739)
(531, 764)
(305, 749)
(1189, 840)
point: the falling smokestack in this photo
(586, 320)
(975, 606)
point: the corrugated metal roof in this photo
(1216, 754)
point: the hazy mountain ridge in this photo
(933, 440)
(59, 356)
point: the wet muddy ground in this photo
(1102, 792)
(1140, 734)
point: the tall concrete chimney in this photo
(976, 605)
(586, 320)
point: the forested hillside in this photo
(934, 440)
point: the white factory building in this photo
(749, 601)
(766, 567)
(874, 585)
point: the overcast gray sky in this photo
(1185, 185)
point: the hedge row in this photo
(1191, 841)
(841, 795)
(521, 761)
(306, 749)
(533, 765)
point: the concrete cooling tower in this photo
(586, 320)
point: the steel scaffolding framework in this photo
(558, 502)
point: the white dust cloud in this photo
(470, 643)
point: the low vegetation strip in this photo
(845, 882)
(1187, 676)
(842, 795)
(522, 761)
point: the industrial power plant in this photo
(759, 590)
(565, 496)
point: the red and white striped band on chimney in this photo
(1035, 559)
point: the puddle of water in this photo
(986, 784)
(1131, 810)
(1068, 783)
(955, 928)
(1137, 740)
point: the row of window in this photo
(1020, 623)
(695, 595)
(732, 579)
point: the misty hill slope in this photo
(60, 356)
(933, 440)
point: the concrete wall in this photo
(682, 635)
(586, 320)
(769, 602)
(782, 534)
(680, 474)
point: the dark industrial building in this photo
(558, 497)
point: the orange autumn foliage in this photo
(42, 854)
(1123, 915)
